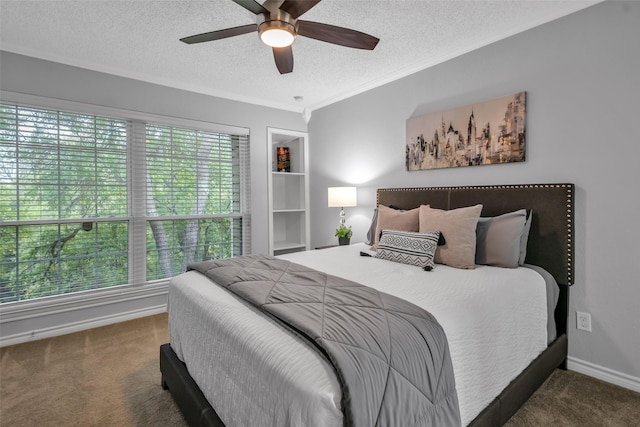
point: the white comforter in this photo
(253, 373)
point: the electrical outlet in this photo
(583, 321)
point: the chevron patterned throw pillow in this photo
(408, 248)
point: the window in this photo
(86, 203)
(193, 198)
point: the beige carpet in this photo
(106, 376)
(109, 376)
(571, 399)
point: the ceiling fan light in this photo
(277, 34)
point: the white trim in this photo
(137, 185)
(276, 136)
(67, 221)
(69, 328)
(148, 78)
(72, 312)
(562, 9)
(604, 374)
(28, 309)
(116, 113)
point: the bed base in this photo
(198, 412)
(195, 408)
(520, 389)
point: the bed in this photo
(550, 246)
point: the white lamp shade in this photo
(342, 197)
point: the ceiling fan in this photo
(278, 25)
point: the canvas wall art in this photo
(485, 133)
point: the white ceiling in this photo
(140, 39)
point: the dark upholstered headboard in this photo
(551, 242)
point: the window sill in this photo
(27, 320)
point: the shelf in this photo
(275, 211)
(295, 143)
(288, 192)
(288, 173)
(283, 246)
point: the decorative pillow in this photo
(525, 237)
(408, 248)
(392, 219)
(458, 226)
(499, 239)
(371, 234)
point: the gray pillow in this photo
(525, 237)
(408, 248)
(371, 234)
(502, 240)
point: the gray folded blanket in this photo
(391, 357)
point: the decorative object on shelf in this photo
(283, 163)
(344, 233)
(342, 197)
(486, 133)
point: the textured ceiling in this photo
(140, 39)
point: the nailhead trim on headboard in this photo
(569, 231)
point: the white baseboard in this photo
(83, 325)
(604, 374)
(45, 318)
(48, 317)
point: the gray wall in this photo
(33, 76)
(582, 77)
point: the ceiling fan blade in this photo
(252, 6)
(220, 34)
(296, 8)
(337, 35)
(284, 59)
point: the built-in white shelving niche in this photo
(288, 192)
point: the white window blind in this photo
(70, 188)
(193, 198)
(64, 202)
